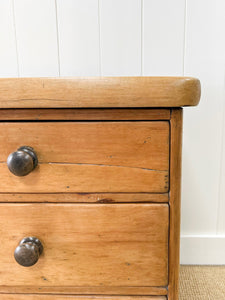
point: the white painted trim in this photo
(203, 249)
(220, 21)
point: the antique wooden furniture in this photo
(90, 187)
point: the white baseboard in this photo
(202, 250)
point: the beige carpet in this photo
(202, 283)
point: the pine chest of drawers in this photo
(90, 187)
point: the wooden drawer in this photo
(57, 297)
(88, 156)
(109, 152)
(117, 245)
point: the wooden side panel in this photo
(99, 92)
(57, 297)
(87, 245)
(88, 157)
(175, 193)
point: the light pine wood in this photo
(175, 193)
(92, 165)
(67, 178)
(87, 198)
(87, 245)
(99, 92)
(58, 297)
(88, 156)
(131, 144)
(72, 114)
(86, 290)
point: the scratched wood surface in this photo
(57, 297)
(87, 245)
(88, 156)
(86, 197)
(99, 92)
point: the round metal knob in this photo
(28, 251)
(23, 161)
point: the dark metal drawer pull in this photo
(28, 251)
(22, 161)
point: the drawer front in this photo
(86, 244)
(88, 156)
(57, 297)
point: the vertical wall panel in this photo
(221, 206)
(202, 125)
(163, 37)
(78, 27)
(120, 31)
(8, 56)
(220, 61)
(36, 37)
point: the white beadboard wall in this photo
(140, 38)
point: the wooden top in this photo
(99, 92)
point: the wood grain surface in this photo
(86, 290)
(88, 156)
(58, 297)
(175, 193)
(67, 178)
(87, 197)
(132, 144)
(87, 245)
(81, 114)
(99, 92)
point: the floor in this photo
(202, 283)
